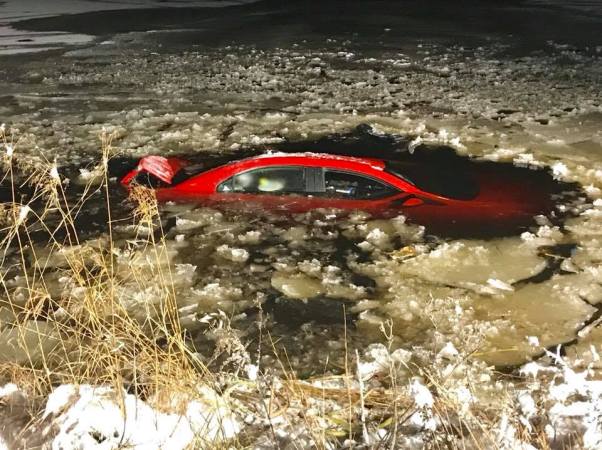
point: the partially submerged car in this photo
(297, 182)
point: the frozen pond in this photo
(228, 81)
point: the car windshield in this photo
(450, 183)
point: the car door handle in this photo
(408, 200)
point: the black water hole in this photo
(442, 171)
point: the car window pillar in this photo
(314, 177)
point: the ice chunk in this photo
(298, 285)
(471, 264)
(217, 295)
(560, 171)
(28, 343)
(232, 254)
(250, 237)
(586, 352)
(378, 238)
(498, 284)
(533, 341)
(552, 311)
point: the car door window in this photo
(354, 186)
(269, 180)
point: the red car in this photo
(445, 200)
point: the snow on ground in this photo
(88, 417)
(553, 400)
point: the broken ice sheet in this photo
(302, 286)
(28, 343)
(552, 311)
(299, 286)
(418, 291)
(587, 352)
(449, 291)
(470, 264)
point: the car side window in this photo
(268, 180)
(354, 186)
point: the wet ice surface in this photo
(483, 98)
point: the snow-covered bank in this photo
(87, 417)
(390, 399)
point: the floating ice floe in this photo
(28, 343)
(239, 255)
(471, 264)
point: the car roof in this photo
(374, 163)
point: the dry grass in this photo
(93, 338)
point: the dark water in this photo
(521, 25)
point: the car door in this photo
(274, 187)
(344, 189)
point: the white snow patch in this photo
(252, 371)
(448, 352)
(421, 394)
(91, 418)
(54, 173)
(379, 361)
(414, 143)
(8, 389)
(23, 213)
(527, 404)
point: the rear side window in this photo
(269, 180)
(354, 186)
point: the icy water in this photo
(516, 84)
